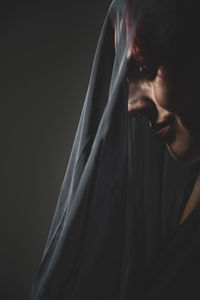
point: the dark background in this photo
(46, 54)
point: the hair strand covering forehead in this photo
(122, 193)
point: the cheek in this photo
(170, 93)
(181, 98)
(164, 94)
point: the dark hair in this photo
(166, 33)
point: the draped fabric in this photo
(115, 232)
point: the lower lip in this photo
(164, 132)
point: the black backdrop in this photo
(46, 54)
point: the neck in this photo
(193, 200)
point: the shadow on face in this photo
(172, 95)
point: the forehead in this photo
(131, 36)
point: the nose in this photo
(140, 101)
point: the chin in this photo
(184, 146)
(188, 155)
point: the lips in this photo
(161, 129)
(157, 126)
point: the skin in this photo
(172, 94)
(165, 97)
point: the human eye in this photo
(133, 69)
(140, 70)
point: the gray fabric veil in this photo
(122, 195)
